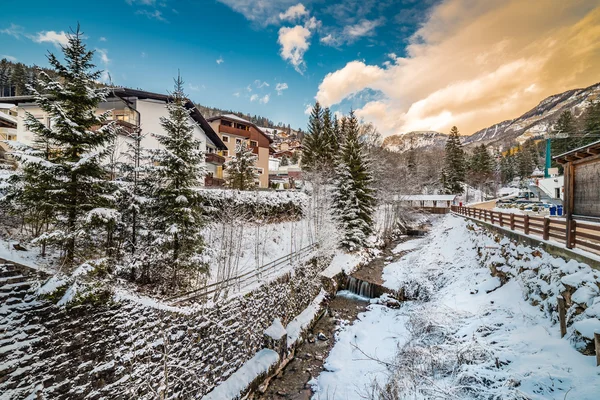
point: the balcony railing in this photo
(212, 158)
(234, 131)
(211, 181)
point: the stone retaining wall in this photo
(128, 350)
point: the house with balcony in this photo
(233, 130)
(8, 130)
(135, 109)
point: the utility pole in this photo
(548, 157)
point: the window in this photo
(225, 153)
(225, 139)
(238, 141)
(259, 170)
(253, 143)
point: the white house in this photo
(132, 109)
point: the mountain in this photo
(415, 140)
(538, 120)
(534, 123)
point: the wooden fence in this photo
(571, 233)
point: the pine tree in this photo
(591, 124)
(19, 79)
(241, 169)
(313, 139)
(453, 173)
(507, 169)
(565, 126)
(329, 145)
(480, 166)
(176, 216)
(353, 196)
(67, 164)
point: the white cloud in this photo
(220, 60)
(351, 33)
(141, 2)
(56, 38)
(195, 88)
(102, 39)
(473, 64)
(249, 88)
(254, 97)
(237, 94)
(264, 99)
(143, 54)
(260, 84)
(262, 12)
(294, 43)
(103, 53)
(156, 14)
(293, 13)
(308, 109)
(13, 30)
(280, 87)
(9, 58)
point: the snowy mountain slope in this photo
(533, 123)
(415, 140)
(539, 119)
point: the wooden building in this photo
(582, 191)
(582, 181)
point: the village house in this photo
(133, 109)
(233, 131)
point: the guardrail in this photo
(571, 233)
(244, 280)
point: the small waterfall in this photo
(359, 287)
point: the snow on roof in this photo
(425, 197)
(6, 105)
(8, 118)
(232, 116)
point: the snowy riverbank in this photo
(465, 337)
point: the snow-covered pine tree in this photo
(329, 148)
(241, 173)
(72, 147)
(176, 243)
(313, 140)
(353, 195)
(453, 173)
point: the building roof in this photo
(580, 153)
(425, 197)
(123, 93)
(9, 119)
(233, 117)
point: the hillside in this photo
(415, 140)
(533, 123)
(539, 119)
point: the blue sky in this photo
(231, 53)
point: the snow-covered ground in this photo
(466, 337)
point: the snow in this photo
(126, 295)
(509, 348)
(295, 327)
(348, 371)
(276, 331)
(243, 377)
(587, 327)
(408, 245)
(342, 262)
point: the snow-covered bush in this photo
(258, 205)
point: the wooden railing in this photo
(212, 158)
(571, 233)
(234, 131)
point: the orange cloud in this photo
(474, 63)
